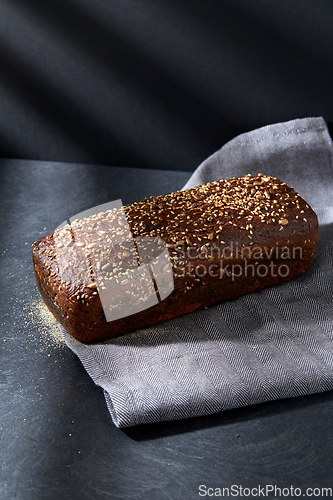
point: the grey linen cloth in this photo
(273, 344)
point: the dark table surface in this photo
(57, 438)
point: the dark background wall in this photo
(156, 83)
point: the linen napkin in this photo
(276, 343)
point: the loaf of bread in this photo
(130, 267)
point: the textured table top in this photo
(57, 438)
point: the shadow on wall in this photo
(155, 84)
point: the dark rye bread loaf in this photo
(193, 248)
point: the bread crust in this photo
(224, 239)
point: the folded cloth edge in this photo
(221, 163)
(117, 403)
